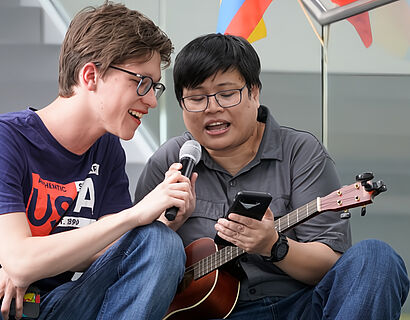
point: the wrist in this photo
(279, 249)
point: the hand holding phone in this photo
(251, 204)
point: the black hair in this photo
(204, 56)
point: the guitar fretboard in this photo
(228, 253)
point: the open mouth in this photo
(135, 114)
(217, 126)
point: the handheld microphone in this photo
(189, 156)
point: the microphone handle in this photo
(188, 165)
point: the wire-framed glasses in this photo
(145, 84)
(224, 98)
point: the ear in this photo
(88, 76)
(255, 91)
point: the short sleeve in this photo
(314, 175)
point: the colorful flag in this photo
(360, 22)
(243, 18)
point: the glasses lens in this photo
(195, 103)
(144, 86)
(228, 98)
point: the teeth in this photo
(215, 124)
(135, 114)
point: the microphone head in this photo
(191, 149)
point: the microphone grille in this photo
(191, 149)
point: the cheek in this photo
(192, 123)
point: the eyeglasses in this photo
(145, 84)
(224, 98)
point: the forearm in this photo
(308, 262)
(87, 263)
(33, 258)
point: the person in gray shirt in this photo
(310, 271)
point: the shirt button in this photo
(252, 291)
(232, 183)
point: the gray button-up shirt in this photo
(291, 165)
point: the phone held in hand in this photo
(251, 204)
(31, 303)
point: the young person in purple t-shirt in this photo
(64, 199)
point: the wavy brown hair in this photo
(108, 34)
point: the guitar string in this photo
(220, 257)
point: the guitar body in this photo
(211, 296)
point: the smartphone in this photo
(31, 303)
(251, 204)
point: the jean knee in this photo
(171, 242)
(162, 245)
(380, 256)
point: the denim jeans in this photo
(369, 281)
(135, 279)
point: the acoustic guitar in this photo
(207, 292)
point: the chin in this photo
(126, 135)
(216, 145)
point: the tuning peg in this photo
(380, 186)
(345, 215)
(364, 177)
(377, 187)
(363, 211)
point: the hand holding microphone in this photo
(189, 156)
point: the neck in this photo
(65, 120)
(237, 157)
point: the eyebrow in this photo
(135, 74)
(218, 86)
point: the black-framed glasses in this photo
(145, 84)
(225, 99)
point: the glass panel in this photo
(368, 123)
(326, 11)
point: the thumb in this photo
(193, 181)
(268, 215)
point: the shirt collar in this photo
(271, 144)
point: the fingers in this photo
(246, 221)
(5, 306)
(194, 177)
(174, 168)
(231, 231)
(246, 233)
(19, 302)
(177, 190)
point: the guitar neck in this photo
(228, 253)
(297, 216)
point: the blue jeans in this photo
(369, 281)
(135, 279)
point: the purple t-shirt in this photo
(42, 178)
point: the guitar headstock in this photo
(357, 194)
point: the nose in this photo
(149, 99)
(213, 105)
